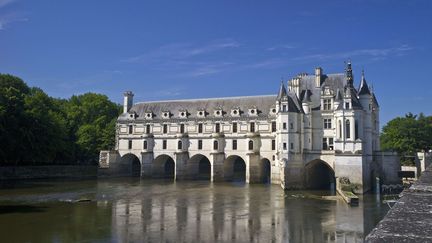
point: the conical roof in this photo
(364, 88)
(307, 96)
(282, 92)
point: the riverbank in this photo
(48, 172)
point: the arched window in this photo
(145, 144)
(250, 145)
(347, 129)
(215, 145)
(180, 145)
(340, 129)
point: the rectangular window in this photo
(200, 128)
(327, 123)
(130, 144)
(130, 129)
(327, 104)
(252, 127)
(292, 145)
(164, 144)
(234, 145)
(215, 145)
(328, 144)
(180, 145)
(234, 127)
(148, 129)
(217, 128)
(182, 126)
(284, 126)
(284, 146)
(273, 127)
(199, 144)
(324, 144)
(284, 108)
(291, 125)
(273, 144)
(165, 128)
(145, 144)
(347, 105)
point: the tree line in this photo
(407, 136)
(37, 129)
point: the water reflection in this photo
(162, 211)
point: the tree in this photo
(37, 129)
(407, 135)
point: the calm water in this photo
(133, 210)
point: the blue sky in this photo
(195, 49)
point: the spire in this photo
(338, 95)
(349, 73)
(282, 91)
(306, 97)
(364, 88)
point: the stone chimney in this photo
(127, 101)
(318, 74)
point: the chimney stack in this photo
(318, 74)
(127, 101)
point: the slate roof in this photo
(263, 104)
(364, 88)
(333, 81)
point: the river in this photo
(134, 210)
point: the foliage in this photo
(408, 135)
(38, 129)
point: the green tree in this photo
(407, 135)
(36, 128)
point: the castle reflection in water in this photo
(185, 212)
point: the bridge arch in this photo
(200, 167)
(131, 165)
(234, 168)
(163, 166)
(319, 175)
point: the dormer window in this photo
(273, 111)
(201, 113)
(218, 112)
(132, 115)
(235, 112)
(183, 114)
(148, 115)
(253, 112)
(166, 114)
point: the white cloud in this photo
(375, 54)
(6, 2)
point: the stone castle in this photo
(316, 129)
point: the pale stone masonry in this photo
(317, 129)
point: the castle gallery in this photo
(318, 128)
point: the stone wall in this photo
(409, 220)
(45, 172)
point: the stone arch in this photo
(163, 166)
(234, 168)
(319, 175)
(265, 169)
(199, 167)
(130, 165)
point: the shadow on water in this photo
(7, 209)
(20, 184)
